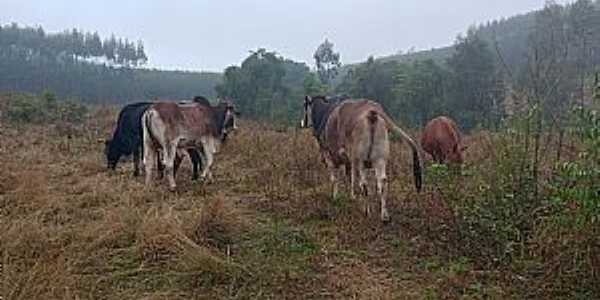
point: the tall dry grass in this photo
(266, 228)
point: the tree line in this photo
(491, 71)
(83, 65)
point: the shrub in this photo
(45, 108)
(493, 210)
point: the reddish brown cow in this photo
(354, 134)
(442, 140)
(170, 126)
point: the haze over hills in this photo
(511, 34)
(33, 69)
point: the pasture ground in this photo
(265, 228)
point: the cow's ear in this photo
(237, 113)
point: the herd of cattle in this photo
(351, 133)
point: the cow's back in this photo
(189, 122)
(440, 136)
(128, 134)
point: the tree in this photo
(140, 53)
(266, 86)
(313, 86)
(476, 88)
(583, 22)
(374, 80)
(420, 90)
(93, 44)
(33, 61)
(327, 61)
(110, 48)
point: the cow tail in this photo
(372, 119)
(417, 169)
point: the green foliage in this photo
(468, 89)
(476, 88)
(420, 89)
(466, 82)
(494, 212)
(81, 65)
(267, 87)
(373, 80)
(327, 61)
(70, 45)
(26, 108)
(576, 184)
(313, 86)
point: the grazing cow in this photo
(354, 134)
(170, 126)
(442, 140)
(127, 140)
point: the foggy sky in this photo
(211, 35)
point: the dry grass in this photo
(265, 229)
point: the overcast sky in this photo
(211, 35)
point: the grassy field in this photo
(265, 228)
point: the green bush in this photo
(575, 185)
(27, 108)
(494, 202)
(506, 217)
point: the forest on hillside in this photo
(82, 65)
(493, 70)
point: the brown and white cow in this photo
(169, 126)
(442, 140)
(354, 134)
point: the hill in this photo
(511, 33)
(77, 64)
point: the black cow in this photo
(127, 140)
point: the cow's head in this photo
(111, 154)
(456, 154)
(306, 121)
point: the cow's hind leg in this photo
(177, 162)
(196, 161)
(381, 177)
(150, 157)
(362, 184)
(159, 164)
(208, 161)
(353, 175)
(332, 176)
(169, 153)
